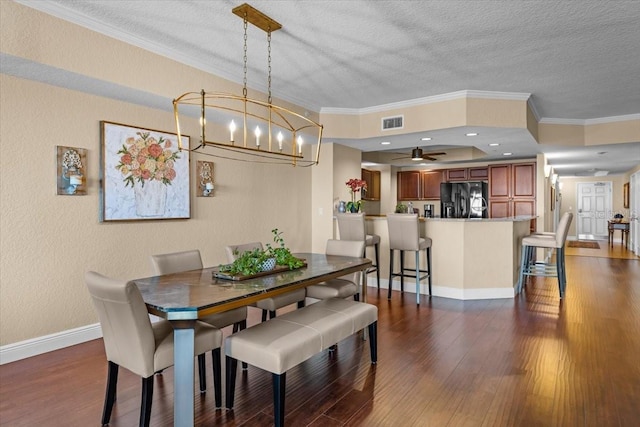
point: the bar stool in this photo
(404, 235)
(528, 266)
(352, 227)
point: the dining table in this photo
(183, 298)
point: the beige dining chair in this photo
(177, 262)
(267, 305)
(404, 235)
(345, 286)
(136, 344)
(351, 226)
(528, 265)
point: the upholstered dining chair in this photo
(267, 305)
(133, 342)
(177, 262)
(345, 286)
(404, 235)
(351, 226)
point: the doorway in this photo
(594, 207)
(634, 210)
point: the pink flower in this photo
(126, 159)
(155, 150)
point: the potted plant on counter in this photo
(355, 186)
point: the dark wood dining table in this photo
(182, 298)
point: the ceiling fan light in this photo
(416, 154)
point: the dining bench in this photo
(281, 343)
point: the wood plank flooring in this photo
(529, 361)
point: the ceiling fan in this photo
(418, 155)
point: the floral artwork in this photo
(355, 185)
(144, 174)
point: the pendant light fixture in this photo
(258, 130)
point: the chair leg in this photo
(279, 391)
(523, 265)
(401, 272)
(147, 399)
(202, 373)
(390, 273)
(272, 314)
(373, 342)
(110, 395)
(376, 247)
(264, 315)
(217, 376)
(429, 268)
(243, 325)
(560, 271)
(232, 367)
(301, 304)
(418, 277)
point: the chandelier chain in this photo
(244, 59)
(269, 64)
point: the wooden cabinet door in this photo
(499, 208)
(372, 178)
(523, 182)
(481, 174)
(431, 181)
(500, 181)
(456, 174)
(409, 185)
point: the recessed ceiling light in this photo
(471, 134)
(385, 143)
(493, 144)
(426, 138)
(507, 154)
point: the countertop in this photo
(423, 219)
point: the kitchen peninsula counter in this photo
(474, 258)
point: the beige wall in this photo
(48, 241)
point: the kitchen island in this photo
(471, 258)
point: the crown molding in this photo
(587, 122)
(462, 94)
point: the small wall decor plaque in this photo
(144, 174)
(71, 164)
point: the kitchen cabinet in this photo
(430, 185)
(409, 185)
(478, 174)
(419, 185)
(372, 178)
(456, 174)
(512, 190)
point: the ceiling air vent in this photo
(392, 122)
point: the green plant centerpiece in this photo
(253, 262)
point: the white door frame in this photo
(634, 213)
(605, 213)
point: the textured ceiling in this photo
(579, 60)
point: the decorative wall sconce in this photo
(205, 178)
(71, 167)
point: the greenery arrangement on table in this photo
(252, 262)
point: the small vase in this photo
(342, 208)
(268, 264)
(354, 209)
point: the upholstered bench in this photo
(288, 340)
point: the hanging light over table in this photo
(278, 135)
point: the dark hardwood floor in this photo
(528, 361)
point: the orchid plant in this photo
(355, 186)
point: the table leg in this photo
(183, 345)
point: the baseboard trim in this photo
(36, 346)
(448, 291)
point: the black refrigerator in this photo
(463, 199)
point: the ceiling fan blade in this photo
(433, 159)
(434, 154)
(400, 158)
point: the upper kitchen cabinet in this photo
(430, 189)
(372, 178)
(409, 185)
(419, 185)
(467, 174)
(512, 189)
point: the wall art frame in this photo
(143, 174)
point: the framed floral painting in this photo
(144, 175)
